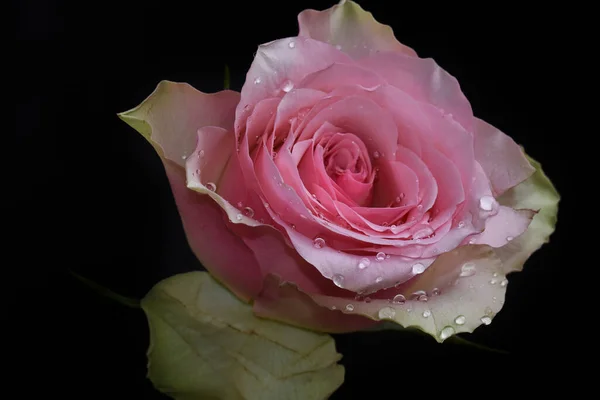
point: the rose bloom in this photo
(349, 183)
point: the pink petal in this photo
(503, 227)
(285, 302)
(170, 117)
(224, 254)
(424, 81)
(352, 29)
(449, 303)
(338, 75)
(361, 117)
(502, 159)
(279, 66)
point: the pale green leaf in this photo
(207, 344)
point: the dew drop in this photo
(318, 243)
(349, 307)
(423, 298)
(493, 281)
(287, 86)
(257, 80)
(266, 205)
(292, 44)
(460, 320)
(486, 203)
(201, 153)
(337, 46)
(426, 314)
(509, 238)
(239, 217)
(380, 256)
(248, 212)
(468, 269)
(435, 292)
(420, 207)
(446, 332)
(504, 282)
(461, 224)
(183, 157)
(418, 294)
(488, 311)
(387, 313)
(376, 154)
(211, 186)
(240, 204)
(338, 280)
(486, 320)
(399, 299)
(364, 263)
(418, 268)
(378, 279)
(472, 241)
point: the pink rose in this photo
(349, 183)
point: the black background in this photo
(95, 199)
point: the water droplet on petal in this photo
(239, 217)
(201, 153)
(435, 292)
(287, 86)
(446, 332)
(266, 205)
(486, 203)
(378, 279)
(183, 157)
(364, 263)
(380, 256)
(460, 320)
(472, 241)
(257, 80)
(486, 320)
(318, 243)
(240, 204)
(292, 44)
(488, 311)
(426, 314)
(337, 46)
(418, 294)
(461, 224)
(399, 299)
(504, 282)
(387, 313)
(423, 298)
(338, 280)
(211, 186)
(468, 269)
(367, 300)
(509, 238)
(376, 154)
(493, 281)
(418, 268)
(349, 307)
(248, 212)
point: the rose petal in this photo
(336, 75)
(286, 302)
(502, 159)
(218, 249)
(170, 117)
(280, 66)
(459, 307)
(424, 80)
(536, 193)
(352, 29)
(503, 227)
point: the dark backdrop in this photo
(95, 199)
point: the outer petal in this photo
(446, 299)
(424, 80)
(206, 344)
(536, 193)
(285, 302)
(502, 159)
(352, 29)
(170, 117)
